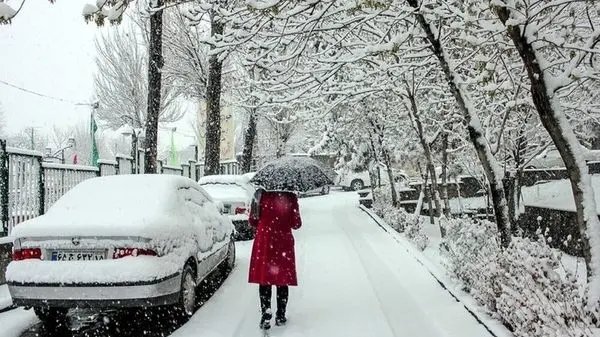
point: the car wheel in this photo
(51, 315)
(357, 185)
(229, 261)
(187, 295)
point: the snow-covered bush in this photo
(414, 230)
(535, 300)
(382, 206)
(470, 247)
(403, 222)
(519, 285)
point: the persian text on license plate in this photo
(78, 255)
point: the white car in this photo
(550, 158)
(235, 194)
(348, 179)
(120, 241)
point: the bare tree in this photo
(186, 55)
(28, 138)
(120, 82)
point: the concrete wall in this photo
(560, 225)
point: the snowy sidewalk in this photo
(354, 281)
(5, 299)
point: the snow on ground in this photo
(14, 322)
(557, 195)
(5, 299)
(355, 280)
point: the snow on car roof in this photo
(113, 191)
(227, 192)
(557, 194)
(223, 179)
(114, 205)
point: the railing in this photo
(226, 167)
(29, 186)
(23, 189)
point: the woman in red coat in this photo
(273, 260)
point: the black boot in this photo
(282, 300)
(265, 320)
(265, 306)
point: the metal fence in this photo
(29, 186)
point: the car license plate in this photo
(78, 255)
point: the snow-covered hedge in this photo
(522, 285)
(403, 222)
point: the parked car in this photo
(352, 180)
(235, 193)
(120, 241)
(550, 158)
(325, 189)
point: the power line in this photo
(43, 95)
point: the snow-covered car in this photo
(550, 158)
(248, 176)
(235, 193)
(120, 241)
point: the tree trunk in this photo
(374, 184)
(387, 160)
(155, 64)
(488, 162)
(447, 210)
(212, 146)
(566, 143)
(434, 194)
(249, 138)
(419, 206)
(388, 163)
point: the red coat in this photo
(273, 260)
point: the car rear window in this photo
(226, 191)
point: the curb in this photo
(486, 321)
(9, 308)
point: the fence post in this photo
(118, 166)
(41, 186)
(193, 171)
(3, 188)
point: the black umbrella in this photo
(294, 174)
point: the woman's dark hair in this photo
(255, 206)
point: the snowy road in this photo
(355, 280)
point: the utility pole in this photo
(32, 138)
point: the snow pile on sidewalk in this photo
(409, 224)
(523, 285)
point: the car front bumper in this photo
(118, 295)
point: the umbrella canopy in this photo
(294, 174)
